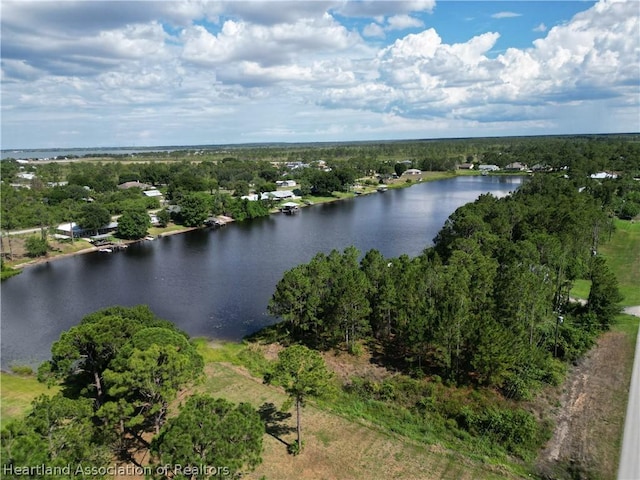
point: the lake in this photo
(217, 283)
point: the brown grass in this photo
(336, 448)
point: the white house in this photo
(603, 175)
(153, 193)
(412, 171)
(286, 183)
(490, 168)
(275, 195)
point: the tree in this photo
(148, 373)
(133, 223)
(301, 372)
(82, 354)
(57, 432)
(194, 208)
(164, 217)
(400, 168)
(348, 306)
(604, 294)
(93, 216)
(212, 437)
(36, 246)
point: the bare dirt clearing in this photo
(589, 411)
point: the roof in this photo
(135, 184)
(153, 193)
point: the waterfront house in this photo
(515, 167)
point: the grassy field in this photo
(16, 393)
(622, 252)
(335, 447)
(603, 424)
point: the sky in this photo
(97, 73)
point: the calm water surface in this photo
(217, 283)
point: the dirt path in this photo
(591, 408)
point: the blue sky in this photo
(146, 73)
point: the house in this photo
(153, 193)
(26, 176)
(279, 195)
(603, 175)
(489, 168)
(515, 167)
(412, 171)
(275, 195)
(135, 184)
(65, 230)
(465, 166)
(286, 183)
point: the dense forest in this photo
(471, 328)
(488, 304)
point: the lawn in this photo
(17, 394)
(622, 252)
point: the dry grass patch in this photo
(336, 448)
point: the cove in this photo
(217, 283)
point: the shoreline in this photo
(226, 220)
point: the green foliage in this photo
(36, 246)
(57, 433)
(6, 271)
(604, 294)
(301, 372)
(194, 209)
(210, 432)
(147, 374)
(164, 217)
(400, 168)
(128, 365)
(22, 370)
(94, 216)
(133, 224)
(295, 448)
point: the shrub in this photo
(36, 246)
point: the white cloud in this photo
(383, 8)
(540, 28)
(373, 30)
(501, 15)
(403, 22)
(201, 72)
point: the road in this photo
(629, 468)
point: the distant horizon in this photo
(177, 72)
(283, 143)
